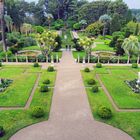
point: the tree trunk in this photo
(3, 25)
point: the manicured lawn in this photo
(122, 95)
(103, 47)
(76, 53)
(127, 121)
(57, 53)
(31, 48)
(18, 92)
(13, 120)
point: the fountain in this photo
(134, 84)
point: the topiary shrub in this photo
(50, 69)
(86, 70)
(98, 65)
(0, 64)
(47, 81)
(2, 131)
(95, 89)
(135, 65)
(104, 112)
(38, 112)
(91, 82)
(44, 88)
(36, 65)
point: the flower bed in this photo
(4, 83)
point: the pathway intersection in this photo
(70, 116)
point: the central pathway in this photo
(70, 116)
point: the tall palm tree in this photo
(105, 19)
(131, 46)
(9, 22)
(2, 24)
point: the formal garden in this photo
(103, 38)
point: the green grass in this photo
(103, 47)
(126, 121)
(13, 120)
(76, 53)
(59, 53)
(31, 48)
(20, 88)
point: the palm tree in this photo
(105, 19)
(49, 18)
(9, 22)
(131, 46)
(2, 24)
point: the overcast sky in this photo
(131, 3)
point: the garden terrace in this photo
(17, 101)
(121, 100)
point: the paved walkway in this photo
(70, 116)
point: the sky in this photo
(131, 3)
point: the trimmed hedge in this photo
(86, 69)
(95, 89)
(38, 112)
(135, 65)
(44, 88)
(50, 69)
(104, 112)
(91, 82)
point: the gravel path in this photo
(70, 116)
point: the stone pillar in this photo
(88, 59)
(16, 58)
(98, 58)
(57, 59)
(6, 57)
(78, 58)
(47, 59)
(36, 59)
(26, 59)
(118, 59)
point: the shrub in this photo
(36, 65)
(47, 81)
(95, 89)
(134, 65)
(44, 88)
(0, 64)
(98, 65)
(87, 70)
(38, 112)
(91, 82)
(104, 112)
(50, 69)
(2, 131)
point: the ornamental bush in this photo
(87, 70)
(47, 81)
(50, 69)
(2, 131)
(98, 65)
(104, 112)
(95, 89)
(38, 112)
(36, 65)
(44, 88)
(91, 82)
(135, 65)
